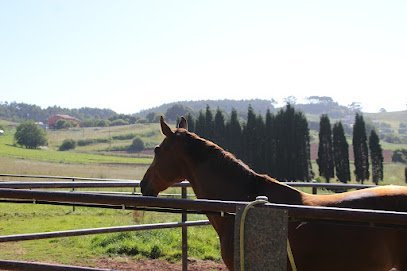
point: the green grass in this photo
(8, 149)
(164, 244)
(149, 133)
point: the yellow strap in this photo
(291, 256)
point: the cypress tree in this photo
(191, 122)
(360, 150)
(376, 157)
(325, 151)
(209, 124)
(219, 132)
(269, 144)
(249, 138)
(291, 135)
(341, 153)
(260, 140)
(234, 134)
(200, 127)
(304, 167)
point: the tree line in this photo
(21, 112)
(333, 152)
(279, 144)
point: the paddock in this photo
(18, 192)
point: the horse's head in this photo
(167, 167)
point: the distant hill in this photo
(392, 126)
(317, 107)
(226, 105)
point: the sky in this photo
(134, 55)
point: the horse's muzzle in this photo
(146, 189)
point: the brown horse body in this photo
(216, 174)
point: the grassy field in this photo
(97, 155)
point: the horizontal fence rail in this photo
(69, 233)
(31, 266)
(81, 182)
(221, 207)
(136, 183)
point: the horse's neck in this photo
(210, 181)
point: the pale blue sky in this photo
(133, 55)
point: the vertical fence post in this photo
(184, 234)
(73, 190)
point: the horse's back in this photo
(389, 198)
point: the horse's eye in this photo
(156, 150)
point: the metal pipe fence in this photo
(16, 192)
(214, 206)
(30, 266)
(81, 182)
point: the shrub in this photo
(30, 135)
(155, 252)
(63, 124)
(399, 156)
(119, 122)
(85, 142)
(67, 144)
(123, 137)
(102, 123)
(137, 145)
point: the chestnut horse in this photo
(217, 174)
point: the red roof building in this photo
(53, 120)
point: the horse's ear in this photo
(165, 129)
(183, 123)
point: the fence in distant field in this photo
(16, 192)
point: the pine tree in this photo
(360, 150)
(341, 153)
(376, 157)
(325, 151)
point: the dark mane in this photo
(200, 150)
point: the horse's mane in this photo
(201, 150)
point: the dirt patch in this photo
(127, 264)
